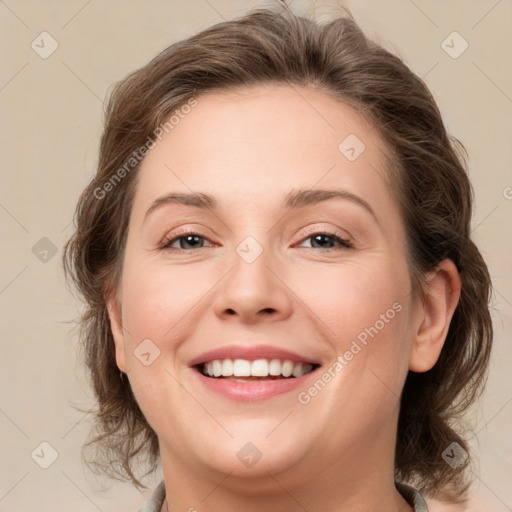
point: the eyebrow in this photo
(293, 200)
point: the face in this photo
(290, 257)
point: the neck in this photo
(352, 483)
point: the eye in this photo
(191, 240)
(186, 241)
(327, 240)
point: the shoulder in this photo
(155, 502)
(413, 497)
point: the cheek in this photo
(356, 300)
(158, 301)
(367, 309)
(158, 305)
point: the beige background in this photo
(51, 115)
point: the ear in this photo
(441, 296)
(116, 326)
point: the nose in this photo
(254, 292)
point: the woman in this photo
(275, 254)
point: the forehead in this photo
(286, 115)
(262, 141)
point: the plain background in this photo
(51, 121)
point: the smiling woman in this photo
(285, 280)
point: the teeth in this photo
(287, 368)
(256, 368)
(297, 370)
(227, 368)
(274, 368)
(217, 368)
(241, 368)
(259, 368)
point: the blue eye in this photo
(327, 241)
(191, 241)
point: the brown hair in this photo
(275, 46)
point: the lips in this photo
(257, 362)
(251, 353)
(252, 370)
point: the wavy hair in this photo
(428, 174)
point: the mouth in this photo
(246, 370)
(246, 373)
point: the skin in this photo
(249, 149)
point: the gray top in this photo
(411, 495)
(155, 502)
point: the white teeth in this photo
(256, 368)
(217, 368)
(274, 368)
(259, 368)
(287, 368)
(227, 367)
(241, 368)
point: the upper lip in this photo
(250, 353)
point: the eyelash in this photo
(344, 243)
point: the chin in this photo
(254, 454)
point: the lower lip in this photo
(253, 390)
